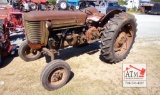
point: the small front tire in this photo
(28, 54)
(55, 75)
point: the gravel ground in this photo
(91, 76)
(148, 25)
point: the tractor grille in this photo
(33, 31)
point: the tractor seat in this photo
(93, 12)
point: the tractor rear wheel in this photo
(55, 75)
(63, 5)
(28, 54)
(118, 37)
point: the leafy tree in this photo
(52, 1)
(122, 2)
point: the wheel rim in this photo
(77, 7)
(57, 76)
(30, 53)
(63, 5)
(124, 40)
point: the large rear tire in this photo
(118, 37)
(28, 54)
(55, 75)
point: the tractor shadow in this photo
(16, 39)
(71, 77)
(8, 59)
(76, 51)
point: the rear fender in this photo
(110, 15)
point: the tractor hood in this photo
(57, 17)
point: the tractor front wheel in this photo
(28, 54)
(55, 75)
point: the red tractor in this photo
(11, 23)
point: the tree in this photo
(52, 1)
(155, 0)
(122, 2)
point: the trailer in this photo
(150, 8)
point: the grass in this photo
(134, 11)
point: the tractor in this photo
(50, 31)
(11, 24)
(77, 4)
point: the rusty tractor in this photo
(59, 29)
(11, 24)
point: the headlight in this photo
(33, 6)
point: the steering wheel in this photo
(86, 11)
